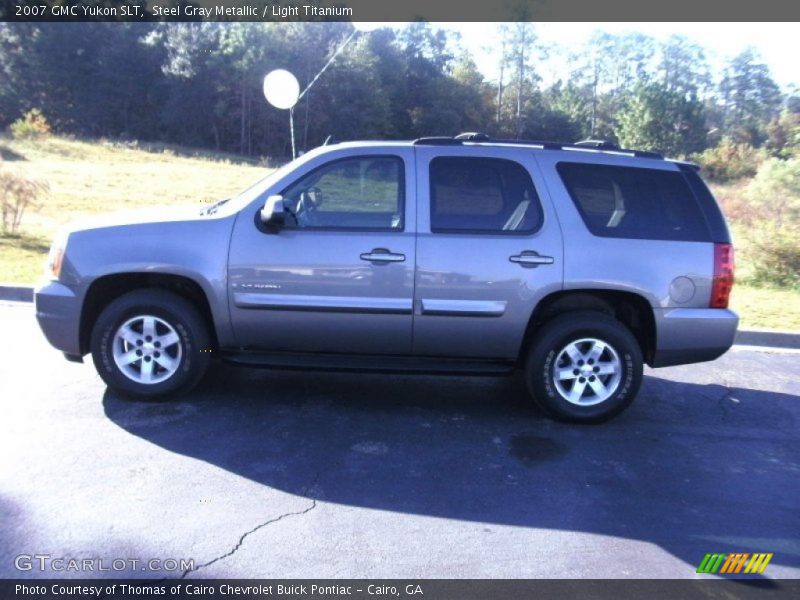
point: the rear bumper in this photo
(58, 311)
(690, 335)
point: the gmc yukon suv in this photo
(576, 263)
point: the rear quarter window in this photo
(636, 203)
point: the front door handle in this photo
(529, 258)
(382, 255)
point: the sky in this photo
(778, 43)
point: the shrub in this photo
(775, 190)
(729, 160)
(773, 224)
(784, 135)
(17, 194)
(737, 207)
(32, 125)
(774, 255)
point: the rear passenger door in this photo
(488, 249)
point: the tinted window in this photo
(630, 202)
(482, 194)
(353, 193)
(714, 219)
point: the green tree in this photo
(572, 101)
(58, 68)
(426, 64)
(357, 105)
(191, 72)
(602, 74)
(750, 98)
(516, 98)
(784, 135)
(473, 94)
(655, 118)
(682, 66)
(200, 84)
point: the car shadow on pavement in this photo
(11, 540)
(692, 468)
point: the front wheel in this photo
(584, 367)
(150, 344)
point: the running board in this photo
(357, 362)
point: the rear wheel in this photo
(150, 344)
(584, 366)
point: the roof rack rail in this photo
(437, 141)
(599, 144)
(473, 136)
(477, 137)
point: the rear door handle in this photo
(382, 255)
(529, 258)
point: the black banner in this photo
(399, 10)
(438, 589)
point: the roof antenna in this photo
(327, 140)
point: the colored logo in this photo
(735, 562)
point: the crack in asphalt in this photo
(727, 387)
(244, 536)
(725, 407)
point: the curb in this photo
(16, 293)
(765, 337)
(747, 337)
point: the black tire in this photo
(545, 356)
(191, 353)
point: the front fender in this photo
(196, 250)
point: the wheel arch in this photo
(631, 309)
(108, 288)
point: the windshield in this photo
(238, 202)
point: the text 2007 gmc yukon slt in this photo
(575, 262)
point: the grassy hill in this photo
(89, 177)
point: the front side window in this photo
(487, 195)
(633, 202)
(352, 193)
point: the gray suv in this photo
(576, 263)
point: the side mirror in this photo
(273, 212)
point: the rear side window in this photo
(487, 195)
(630, 202)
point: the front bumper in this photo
(690, 335)
(58, 311)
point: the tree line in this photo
(199, 84)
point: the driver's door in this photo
(338, 276)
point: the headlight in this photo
(56, 257)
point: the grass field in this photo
(766, 308)
(89, 177)
(86, 178)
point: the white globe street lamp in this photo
(282, 90)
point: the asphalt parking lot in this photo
(286, 474)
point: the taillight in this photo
(723, 276)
